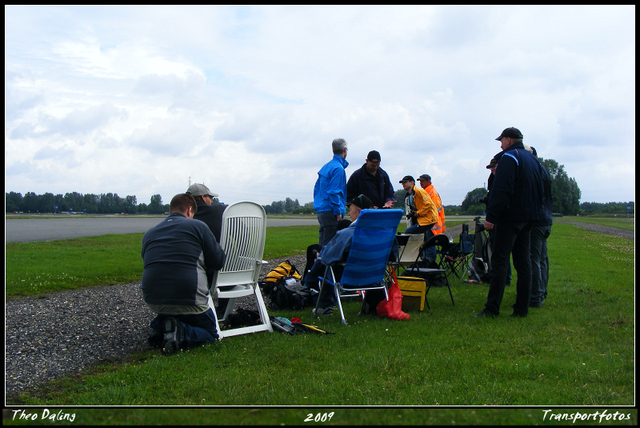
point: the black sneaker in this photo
(172, 336)
(484, 314)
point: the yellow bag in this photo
(414, 292)
(283, 270)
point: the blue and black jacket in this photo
(521, 189)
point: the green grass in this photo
(577, 350)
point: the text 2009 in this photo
(320, 417)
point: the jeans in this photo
(328, 227)
(313, 278)
(515, 239)
(539, 263)
(197, 329)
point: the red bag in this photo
(393, 307)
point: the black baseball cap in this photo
(361, 201)
(510, 133)
(407, 178)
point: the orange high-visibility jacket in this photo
(435, 197)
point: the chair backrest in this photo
(440, 240)
(409, 253)
(242, 238)
(466, 243)
(370, 247)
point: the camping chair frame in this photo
(366, 265)
(242, 239)
(457, 256)
(441, 242)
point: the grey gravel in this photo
(55, 335)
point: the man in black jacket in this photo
(519, 197)
(211, 214)
(373, 182)
(208, 212)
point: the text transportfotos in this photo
(577, 416)
(22, 415)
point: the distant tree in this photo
(565, 191)
(470, 204)
(399, 196)
(129, 204)
(13, 201)
(155, 206)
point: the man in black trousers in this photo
(519, 197)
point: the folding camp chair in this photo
(480, 264)
(366, 264)
(242, 239)
(434, 277)
(457, 256)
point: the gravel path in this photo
(51, 336)
(600, 229)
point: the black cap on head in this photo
(426, 177)
(510, 133)
(373, 155)
(361, 201)
(407, 178)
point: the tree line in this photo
(565, 192)
(104, 203)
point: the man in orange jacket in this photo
(421, 211)
(425, 183)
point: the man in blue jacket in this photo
(330, 192)
(518, 198)
(180, 257)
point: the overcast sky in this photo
(138, 100)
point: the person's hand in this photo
(488, 225)
(389, 204)
(339, 217)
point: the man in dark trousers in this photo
(518, 199)
(373, 182)
(180, 257)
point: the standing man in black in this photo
(373, 182)
(208, 212)
(211, 214)
(518, 199)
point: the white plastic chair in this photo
(244, 226)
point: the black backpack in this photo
(292, 295)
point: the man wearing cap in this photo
(330, 192)
(420, 209)
(211, 214)
(372, 181)
(425, 183)
(207, 212)
(336, 250)
(519, 195)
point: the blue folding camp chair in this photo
(366, 264)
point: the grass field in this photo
(575, 355)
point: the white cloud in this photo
(137, 100)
